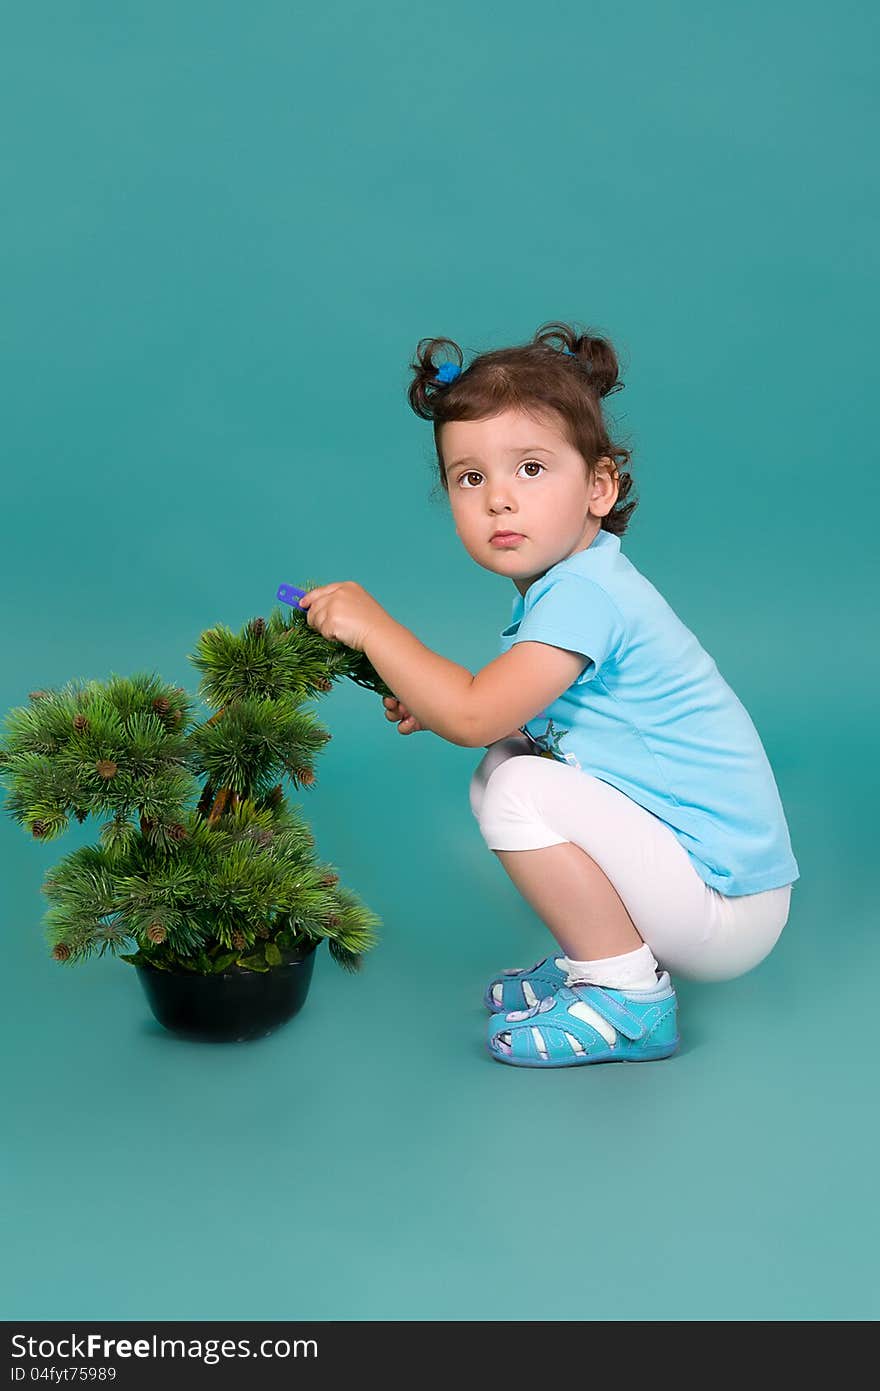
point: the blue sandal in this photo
(589, 1024)
(520, 989)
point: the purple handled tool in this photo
(289, 594)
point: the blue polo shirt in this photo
(652, 715)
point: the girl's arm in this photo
(434, 689)
(464, 709)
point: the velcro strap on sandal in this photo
(611, 1009)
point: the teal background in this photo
(225, 229)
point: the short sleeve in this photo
(577, 614)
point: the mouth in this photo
(506, 538)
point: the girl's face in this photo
(510, 473)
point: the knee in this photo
(493, 781)
(476, 791)
(497, 754)
(480, 778)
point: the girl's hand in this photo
(395, 711)
(342, 612)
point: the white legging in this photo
(525, 802)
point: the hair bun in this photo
(599, 360)
(431, 378)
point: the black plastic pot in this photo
(233, 1006)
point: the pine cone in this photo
(80, 722)
(107, 768)
(38, 695)
(304, 775)
(323, 684)
(330, 879)
(81, 815)
(263, 932)
(334, 920)
(148, 824)
(258, 627)
(239, 941)
(275, 797)
(61, 952)
(161, 705)
(39, 828)
(177, 832)
(156, 933)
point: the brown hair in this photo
(536, 377)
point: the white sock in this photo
(634, 970)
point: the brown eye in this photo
(533, 463)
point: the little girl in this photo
(625, 789)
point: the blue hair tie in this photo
(448, 372)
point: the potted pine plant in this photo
(202, 865)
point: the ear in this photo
(606, 487)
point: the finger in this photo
(308, 599)
(321, 589)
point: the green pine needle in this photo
(185, 891)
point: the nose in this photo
(499, 503)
